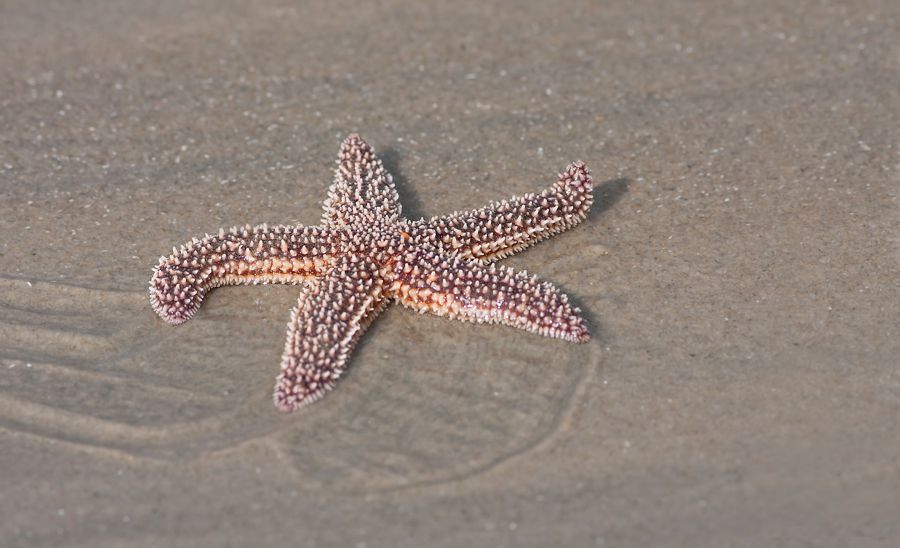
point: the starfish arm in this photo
(509, 226)
(363, 192)
(470, 290)
(324, 328)
(242, 255)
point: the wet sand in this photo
(739, 272)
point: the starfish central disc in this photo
(365, 254)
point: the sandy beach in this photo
(739, 273)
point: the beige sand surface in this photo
(740, 273)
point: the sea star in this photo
(364, 255)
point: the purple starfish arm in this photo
(324, 328)
(469, 290)
(363, 192)
(242, 255)
(509, 226)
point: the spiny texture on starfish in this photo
(365, 254)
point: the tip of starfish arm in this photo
(353, 148)
(573, 329)
(577, 333)
(576, 183)
(171, 315)
(174, 305)
(580, 331)
(578, 174)
(353, 138)
(287, 403)
(290, 395)
(284, 403)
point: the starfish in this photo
(364, 255)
